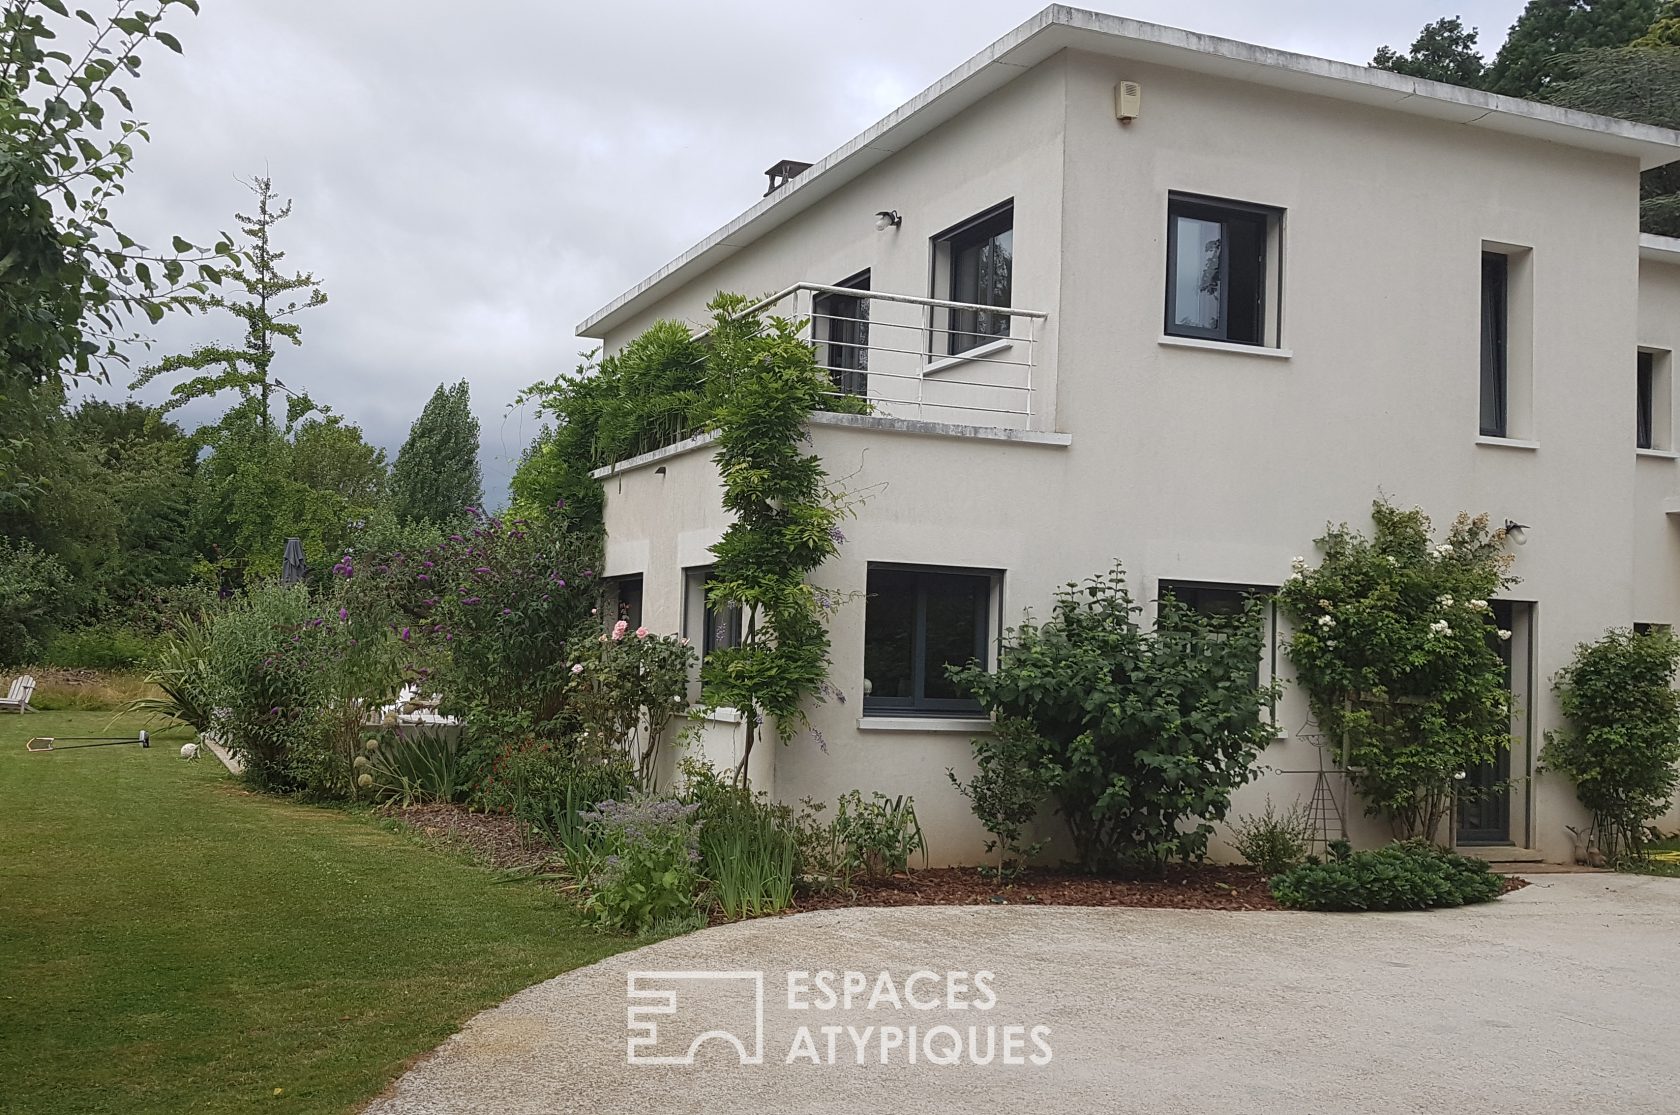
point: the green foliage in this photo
(180, 670)
(1395, 648)
(1537, 50)
(764, 384)
(1664, 31)
(649, 875)
(1443, 51)
(97, 648)
(33, 601)
(1411, 875)
(1622, 745)
(436, 476)
(1007, 790)
(418, 764)
(749, 845)
(876, 837)
(1138, 731)
(1639, 83)
(270, 302)
(1274, 841)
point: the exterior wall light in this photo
(1516, 532)
(887, 218)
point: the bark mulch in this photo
(1204, 887)
(497, 840)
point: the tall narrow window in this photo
(711, 626)
(977, 258)
(1496, 287)
(625, 596)
(1220, 263)
(842, 327)
(1645, 420)
(918, 622)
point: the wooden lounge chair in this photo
(17, 698)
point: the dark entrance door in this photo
(1484, 800)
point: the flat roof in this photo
(1060, 27)
(1659, 249)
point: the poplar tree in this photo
(436, 477)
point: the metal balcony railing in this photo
(919, 358)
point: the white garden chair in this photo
(17, 697)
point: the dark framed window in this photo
(842, 329)
(718, 627)
(1651, 628)
(917, 622)
(979, 257)
(1495, 355)
(1218, 269)
(1645, 425)
(1219, 599)
(625, 597)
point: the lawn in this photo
(171, 943)
(1664, 859)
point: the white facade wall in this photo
(1219, 464)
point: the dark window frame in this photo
(699, 578)
(1268, 222)
(1645, 396)
(844, 334)
(969, 329)
(627, 606)
(1495, 366)
(986, 623)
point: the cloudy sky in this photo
(473, 179)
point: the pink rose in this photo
(619, 629)
(641, 632)
(577, 668)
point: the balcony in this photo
(921, 359)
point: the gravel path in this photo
(1563, 997)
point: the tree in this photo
(1548, 31)
(1665, 31)
(1622, 742)
(436, 477)
(1443, 51)
(71, 280)
(1135, 731)
(266, 311)
(1635, 83)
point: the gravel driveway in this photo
(1562, 997)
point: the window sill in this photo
(1659, 454)
(717, 715)
(1168, 341)
(969, 724)
(967, 356)
(1506, 443)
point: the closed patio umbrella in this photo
(292, 567)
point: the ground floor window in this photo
(708, 626)
(624, 599)
(1220, 599)
(918, 621)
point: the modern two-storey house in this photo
(1118, 290)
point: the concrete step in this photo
(1500, 853)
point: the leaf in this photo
(180, 245)
(56, 7)
(85, 18)
(168, 40)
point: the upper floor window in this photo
(842, 330)
(1222, 270)
(973, 264)
(1495, 355)
(919, 621)
(1654, 396)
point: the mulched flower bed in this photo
(496, 839)
(1204, 887)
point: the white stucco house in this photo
(1124, 291)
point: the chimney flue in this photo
(783, 173)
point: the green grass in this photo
(171, 943)
(1660, 864)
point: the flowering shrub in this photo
(1395, 647)
(649, 873)
(1622, 745)
(626, 688)
(1134, 731)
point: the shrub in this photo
(1623, 740)
(1410, 875)
(1007, 790)
(876, 838)
(419, 763)
(1137, 731)
(94, 648)
(1274, 841)
(626, 688)
(34, 599)
(649, 875)
(1395, 648)
(749, 846)
(180, 669)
